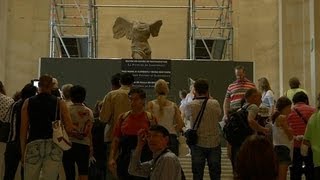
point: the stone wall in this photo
(256, 37)
(26, 38)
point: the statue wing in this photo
(155, 28)
(121, 28)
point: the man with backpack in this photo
(242, 123)
(165, 165)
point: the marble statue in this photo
(138, 33)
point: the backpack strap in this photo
(245, 107)
(161, 154)
(300, 115)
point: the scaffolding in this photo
(210, 31)
(72, 28)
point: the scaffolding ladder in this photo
(72, 28)
(210, 30)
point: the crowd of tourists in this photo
(125, 137)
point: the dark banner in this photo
(147, 72)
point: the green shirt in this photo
(291, 92)
(312, 134)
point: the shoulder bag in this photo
(59, 134)
(191, 134)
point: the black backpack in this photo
(237, 128)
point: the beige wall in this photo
(297, 43)
(172, 39)
(317, 41)
(294, 39)
(26, 40)
(256, 37)
(3, 37)
(24, 31)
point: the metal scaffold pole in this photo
(89, 28)
(210, 31)
(211, 34)
(71, 30)
(52, 22)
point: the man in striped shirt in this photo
(298, 119)
(236, 91)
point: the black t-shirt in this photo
(42, 112)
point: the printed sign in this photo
(147, 72)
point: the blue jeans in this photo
(42, 155)
(199, 155)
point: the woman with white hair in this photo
(167, 114)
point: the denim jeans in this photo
(42, 155)
(199, 155)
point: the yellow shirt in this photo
(115, 103)
(291, 92)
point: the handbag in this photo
(59, 134)
(5, 125)
(191, 134)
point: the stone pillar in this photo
(297, 44)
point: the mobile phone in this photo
(35, 82)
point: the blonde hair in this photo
(161, 88)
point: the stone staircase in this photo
(226, 168)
